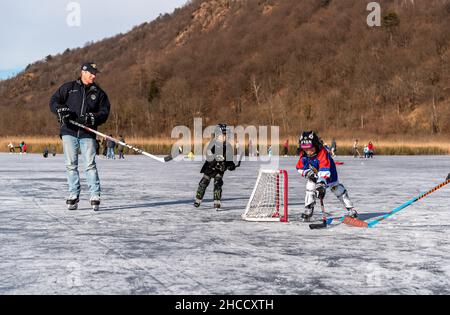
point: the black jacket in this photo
(81, 99)
(212, 166)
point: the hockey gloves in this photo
(310, 175)
(321, 189)
(64, 114)
(88, 120)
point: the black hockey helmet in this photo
(223, 129)
(309, 139)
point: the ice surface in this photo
(149, 239)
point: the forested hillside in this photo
(293, 63)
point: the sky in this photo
(31, 30)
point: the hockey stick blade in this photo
(169, 158)
(355, 222)
(318, 225)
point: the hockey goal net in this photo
(269, 199)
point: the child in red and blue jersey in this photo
(319, 169)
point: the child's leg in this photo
(204, 182)
(310, 198)
(342, 194)
(218, 183)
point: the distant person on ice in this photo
(366, 151)
(371, 149)
(317, 166)
(355, 149)
(121, 148)
(219, 158)
(11, 147)
(23, 147)
(286, 147)
(111, 146)
(84, 101)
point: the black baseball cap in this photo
(90, 66)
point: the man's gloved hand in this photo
(88, 120)
(231, 167)
(64, 114)
(310, 175)
(321, 189)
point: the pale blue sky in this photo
(31, 30)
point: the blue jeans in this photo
(110, 153)
(87, 146)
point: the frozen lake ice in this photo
(149, 239)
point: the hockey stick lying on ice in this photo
(160, 159)
(370, 224)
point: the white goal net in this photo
(269, 199)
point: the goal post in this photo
(269, 199)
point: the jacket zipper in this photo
(82, 107)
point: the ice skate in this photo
(72, 202)
(307, 215)
(95, 202)
(217, 204)
(197, 202)
(352, 213)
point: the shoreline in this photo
(163, 146)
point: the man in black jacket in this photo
(85, 102)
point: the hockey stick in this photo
(137, 150)
(240, 160)
(370, 224)
(324, 219)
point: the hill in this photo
(294, 63)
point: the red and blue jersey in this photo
(322, 162)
